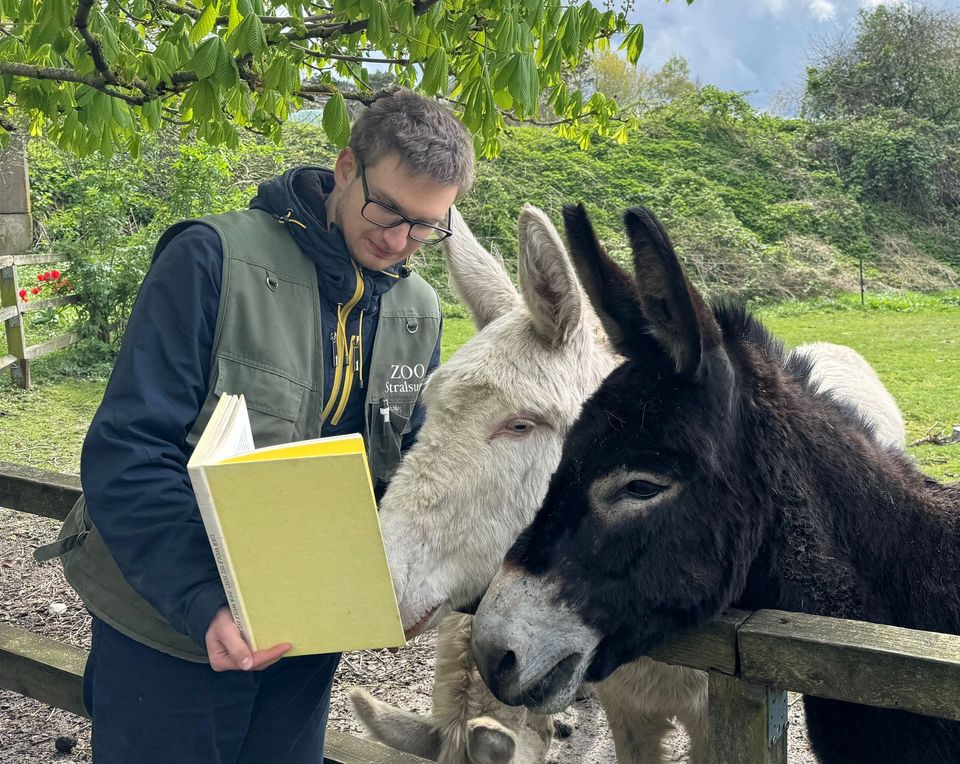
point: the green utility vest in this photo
(267, 346)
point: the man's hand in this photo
(228, 651)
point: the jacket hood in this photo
(298, 199)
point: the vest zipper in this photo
(343, 357)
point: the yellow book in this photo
(296, 537)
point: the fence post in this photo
(16, 237)
(748, 722)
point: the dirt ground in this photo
(29, 730)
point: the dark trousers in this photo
(152, 708)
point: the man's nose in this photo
(396, 237)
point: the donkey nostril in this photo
(506, 664)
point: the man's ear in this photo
(346, 166)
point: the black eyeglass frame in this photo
(367, 201)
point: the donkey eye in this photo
(641, 489)
(520, 426)
(514, 428)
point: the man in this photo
(303, 303)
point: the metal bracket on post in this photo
(776, 714)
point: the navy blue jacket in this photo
(134, 460)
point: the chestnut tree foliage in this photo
(94, 75)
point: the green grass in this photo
(913, 342)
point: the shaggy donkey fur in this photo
(708, 472)
(497, 412)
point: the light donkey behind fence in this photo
(497, 413)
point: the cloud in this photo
(823, 10)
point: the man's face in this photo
(390, 182)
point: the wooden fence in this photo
(16, 237)
(12, 309)
(753, 658)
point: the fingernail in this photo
(246, 663)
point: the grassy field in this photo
(912, 342)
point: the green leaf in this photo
(569, 30)
(226, 73)
(506, 72)
(134, 145)
(336, 121)
(435, 73)
(204, 25)
(633, 43)
(204, 60)
(505, 34)
(252, 36)
(525, 85)
(233, 17)
(378, 28)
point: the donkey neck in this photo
(857, 531)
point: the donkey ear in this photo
(479, 277)
(399, 729)
(489, 742)
(547, 281)
(677, 316)
(610, 289)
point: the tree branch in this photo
(312, 93)
(98, 82)
(81, 22)
(336, 30)
(352, 59)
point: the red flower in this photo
(35, 290)
(41, 277)
(54, 275)
(23, 294)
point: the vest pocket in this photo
(273, 401)
(385, 440)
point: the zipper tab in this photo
(333, 346)
(356, 358)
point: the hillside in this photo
(758, 206)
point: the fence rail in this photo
(752, 657)
(12, 309)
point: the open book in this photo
(295, 533)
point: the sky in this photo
(761, 46)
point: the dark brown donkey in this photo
(706, 473)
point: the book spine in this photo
(221, 554)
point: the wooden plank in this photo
(18, 259)
(41, 668)
(867, 663)
(343, 748)
(40, 259)
(712, 647)
(37, 492)
(739, 724)
(53, 302)
(13, 327)
(9, 312)
(64, 340)
(52, 673)
(7, 360)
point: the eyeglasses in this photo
(386, 216)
